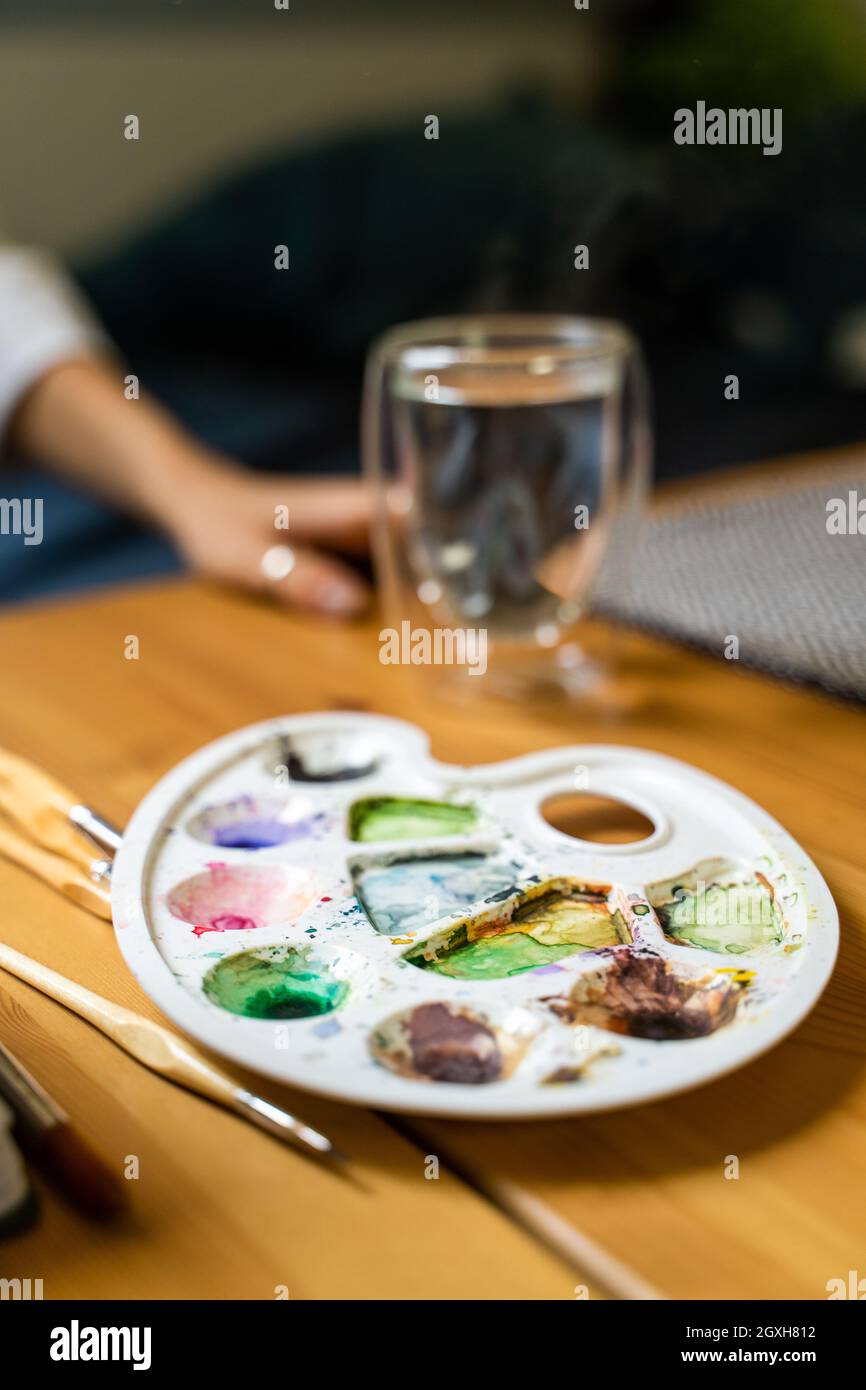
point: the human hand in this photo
(225, 520)
(262, 532)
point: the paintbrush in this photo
(167, 1054)
(53, 817)
(82, 1174)
(45, 829)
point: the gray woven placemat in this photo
(757, 562)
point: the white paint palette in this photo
(316, 898)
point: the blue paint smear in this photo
(328, 1028)
(412, 893)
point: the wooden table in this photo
(221, 1210)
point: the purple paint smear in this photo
(249, 824)
(251, 834)
(263, 833)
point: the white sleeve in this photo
(44, 319)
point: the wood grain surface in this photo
(220, 1210)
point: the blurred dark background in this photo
(306, 128)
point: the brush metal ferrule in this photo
(279, 1122)
(103, 834)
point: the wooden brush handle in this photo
(72, 882)
(40, 805)
(150, 1044)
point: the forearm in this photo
(63, 403)
(77, 421)
(222, 519)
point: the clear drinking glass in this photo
(510, 456)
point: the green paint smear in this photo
(550, 929)
(276, 984)
(494, 957)
(734, 920)
(392, 818)
(558, 919)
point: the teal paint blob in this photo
(274, 982)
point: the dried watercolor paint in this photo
(717, 907)
(534, 929)
(443, 1042)
(328, 757)
(407, 894)
(378, 818)
(568, 1072)
(277, 982)
(400, 912)
(242, 897)
(249, 822)
(645, 996)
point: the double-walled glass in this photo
(510, 457)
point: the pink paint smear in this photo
(241, 897)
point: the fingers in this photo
(335, 511)
(317, 583)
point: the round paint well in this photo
(645, 995)
(249, 822)
(242, 897)
(442, 1041)
(275, 982)
(438, 1041)
(327, 755)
